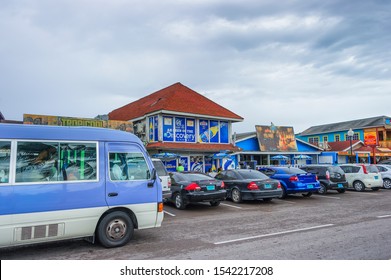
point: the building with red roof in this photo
(181, 121)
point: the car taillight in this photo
(222, 185)
(316, 177)
(193, 187)
(327, 175)
(279, 185)
(169, 182)
(293, 178)
(252, 186)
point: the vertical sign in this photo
(168, 129)
(180, 130)
(185, 162)
(156, 128)
(150, 129)
(224, 132)
(214, 131)
(190, 130)
(203, 136)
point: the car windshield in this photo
(252, 174)
(191, 177)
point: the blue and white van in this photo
(68, 182)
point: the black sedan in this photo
(248, 184)
(188, 187)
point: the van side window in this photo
(53, 161)
(77, 162)
(5, 151)
(128, 166)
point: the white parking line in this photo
(325, 196)
(233, 206)
(168, 213)
(287, 201)
(365, 193)
(384, 216)
(272, 234)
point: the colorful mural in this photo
(276, 138)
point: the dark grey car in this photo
(330, 177)
(248, 184)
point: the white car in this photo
(362, 176)
(164, 177)
(385, 171)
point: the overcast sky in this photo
(295, 63)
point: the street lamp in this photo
(350, 134)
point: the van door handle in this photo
(112, 194)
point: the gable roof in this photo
(342, 126)
(174, 99)
(344, 145)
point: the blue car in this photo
(293, 180)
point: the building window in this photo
(337, 138)
(313, 140)
(380, 136)
(355, 137)
(325, 139)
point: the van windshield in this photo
(160, 169)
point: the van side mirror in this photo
(154, 176)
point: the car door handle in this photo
(150, 184)
(112, 194)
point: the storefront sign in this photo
(70, 121)
(370, 138)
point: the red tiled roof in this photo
(341, 145)
(176, 98)
(192, 147)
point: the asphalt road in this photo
(349, 226)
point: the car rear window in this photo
(252, 174)
(191, 177)
(372, 169)
(160, 169)
(335, 169)
(291, 170)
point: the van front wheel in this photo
(115, 229)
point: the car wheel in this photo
(387, 183)
(284, 194)
(322, 189)
(215, 203)
(179, 203)
(236, 196)
(115, 229)
(359, 186)
(267, 199)
(341, 191)
(307, 194)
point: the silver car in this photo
(385, 171)
(362, 176)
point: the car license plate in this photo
(310, 186)
(268, 186)
(340, 186)
(210, 188)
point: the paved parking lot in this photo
(353, 225)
